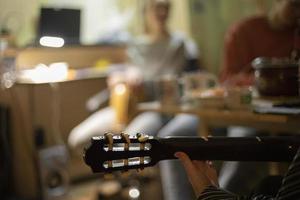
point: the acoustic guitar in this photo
(111, 153)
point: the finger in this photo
(213, 176)
(211, 173)
(208, 171)
(198, 180)
(210, 163)
(203, 164)
(189, 167)
(186, 161)
(200, 165)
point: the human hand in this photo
(131, 77)
(134, 77)
(115, 78)
(201, 174)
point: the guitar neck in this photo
(119, 153)
(275, 149)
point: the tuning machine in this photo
(142, 137)
(126, 140)
(110, 142)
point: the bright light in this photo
(48, 41)
(120, 89)
(44, 74)
(134, 193)
(7, 80)
(58, 71)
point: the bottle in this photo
(120, 102)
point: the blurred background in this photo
(39, 111)
(205, 21)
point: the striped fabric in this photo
(212, 193)
(289, 190)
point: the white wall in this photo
(180, 17)
(96, 17)
(103, 16)
(20, 17)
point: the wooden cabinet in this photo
(74, 56)
(56, 108)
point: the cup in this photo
(168, 90)
(238, 98)
(197, 82)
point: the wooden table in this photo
(211, 118)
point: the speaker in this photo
(53, 167)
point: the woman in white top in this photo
(157, 53)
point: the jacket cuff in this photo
(213, 192)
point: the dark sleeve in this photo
(290, 188)
(214, 193)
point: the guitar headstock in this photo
(121, 152)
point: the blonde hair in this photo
(148, 3)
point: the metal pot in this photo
(276, 77)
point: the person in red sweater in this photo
(269, 35)
(259, 36)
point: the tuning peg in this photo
(110, 140)
(142, 160)
(126, 139)
(142, 137)
(108, 135)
